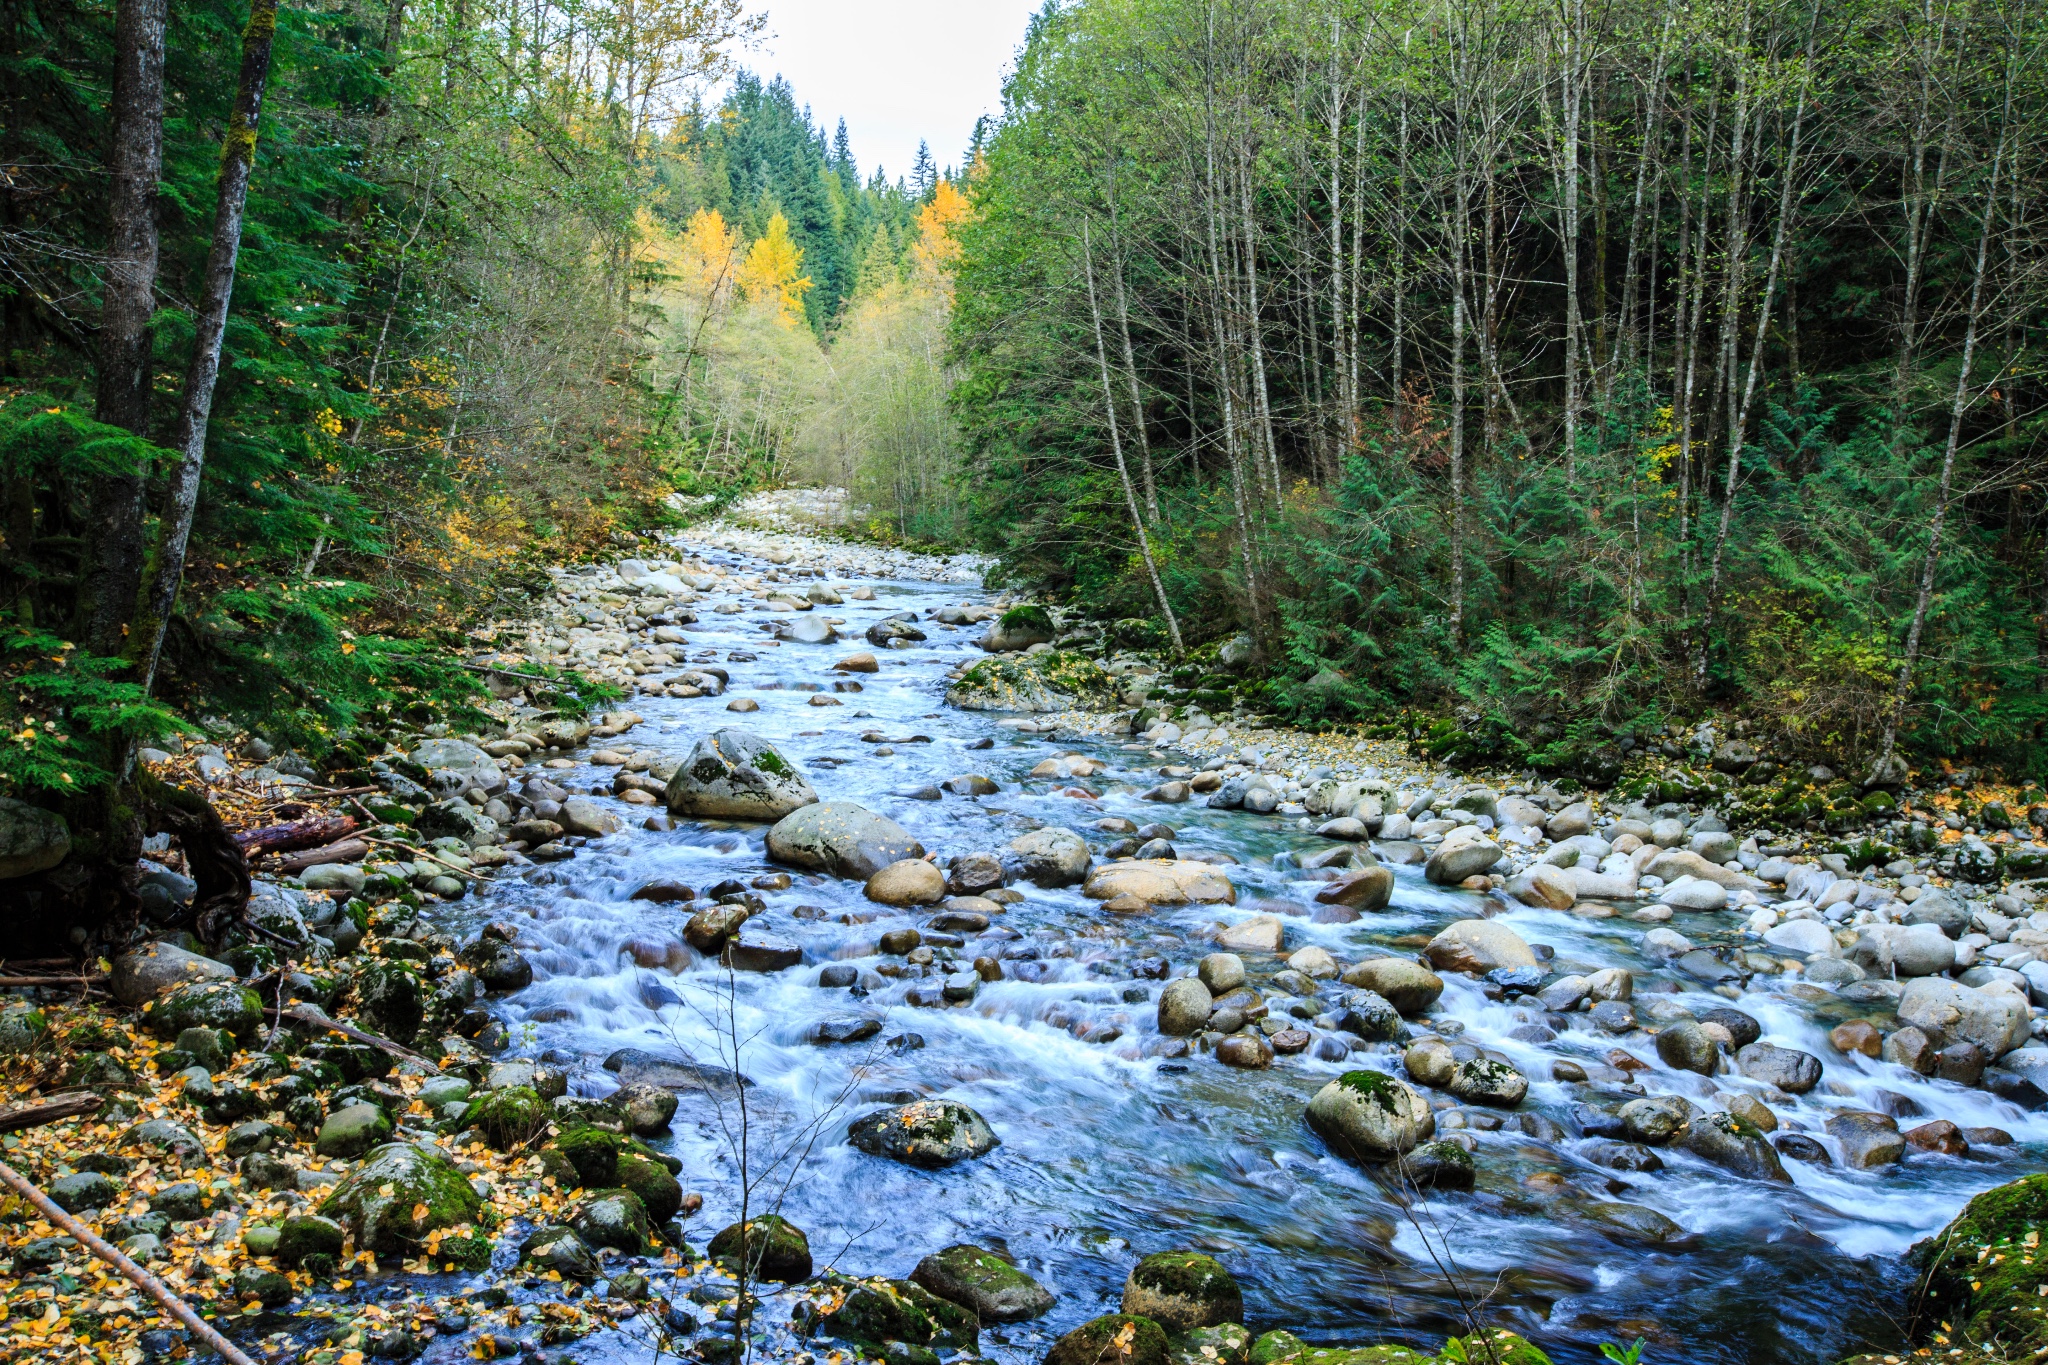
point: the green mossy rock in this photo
(1274, 1348)
(22, 1027)
(305, 1236)
(392, 997)
(205, 1004)
(351, 1131)
(659, 1191)
(1112, 1339)
(613, 1218)
(1980, 1274)
(777, 1248)
(1224, 1344)
(427, 1193)
(1033, 682)
(984, 1283)
(584, 1156)
(507, 1118)
(883, 1315)
(1492, 1348)
(1182, 1290)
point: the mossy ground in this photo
(1984, 1275)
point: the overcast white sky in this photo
(895, 70)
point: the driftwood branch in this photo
(8, 983)
(70, 1104)
(309, 833)
(314, 1015)
(342, 851)
(147, 1282)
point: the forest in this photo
(1533, 376)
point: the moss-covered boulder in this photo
(1369, 1116)
(1987, 1272)
(582, 1155)
(775, 1248)
(1440, 1166)
(983, 1282)
(613, 1218)
(392, 998)
(1057, 681)
(1182, 1290)
(882, 1315)
(399, 1194)
(658, 1190)
(205, 1004)
(1019, 628)
(507, 1118)
(309, 1240)
(22, 1027)
(1112, 1339)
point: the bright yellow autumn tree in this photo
(710, 255)
(937, 248)
(774, 272)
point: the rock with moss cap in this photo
(1485, 1080)
(773, 1246)
(1370, 1117)
(583, 1155)
(1112, 1339)
(507, 1117)
(1182, 1290)
(924, 1133)
(305, 1237)
(734, 774)
(657, 1188)
(612, 1218)
(1985, 1271)
(1440, 1165)
(399, 1194)
(1018, 628)
(984, 1282)
(205, 1004)
(884, 1315)
(1033, 683)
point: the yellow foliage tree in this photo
(937, 249)
(710, 255)
(774, 272)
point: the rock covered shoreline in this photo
(563, 1192)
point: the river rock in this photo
(1018, 628)
(1184, 1008)
(1907, 950)
(1260, 934)
(1734, 1145)
(580, 815)
(924, 1133)
(913, 881)
(455, 766)
(1478, 946)
(842, 838)
(1632, 1223)
(1806, 937)
(1486, 1081)
(1685, 1046)
(1371, 1117)
(1112, 1339)
(1453, 863)
(559, 1249)
(1543, 886)
(1368, 1015)
(1051, 857)
(734, 774)
(1369, 888)
(1789, 1069)
(648, 1109)
(754, 949)
(205, 1004)
(775, 1247)
(1405, 984)
(984, 1283)
(1160, 881)
(399, 1194)
(1994, 1019)
(141, 976)
(1655, 1120)
(612, 1218)
(352, 1130)
(1430, 1061)
(1248, 1050)
(1694, 893)
(1868, 1140)
(1674, 863)
(1222, 973)
(32, 839)
(1182, 1290)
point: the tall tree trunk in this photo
(1116, 447)
(113, 573)
(1568, 183)
(1123, 327)
(237, 159)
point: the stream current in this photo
(1108, 1153)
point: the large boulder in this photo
(1370, 1117)
(1402, 982)
(1161, 881)
(455, 766)
(1674, 863)
(776, 1248)
(1018, 628)
(924, 1133)
(31, 839)
(1453, 863)
(1903, 949)
(205, 1004)
(734, 774)
(142, 975)
(398, 1195)
(1545, 886)
(1034, 683)
(842, 838)
(1478, 946)
(1183, 1290)
(1365, 888)
(1994, 1019)
(983, 1282)
(1112, 1339)
(1050, 857)
(1734, 1146)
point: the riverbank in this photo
(1607, 1123)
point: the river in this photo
(1108, 1153)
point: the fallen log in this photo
(34, 1114)
(308, 833)
(345, 851)
(134, 1273)
(10, 982)
(314, 1015)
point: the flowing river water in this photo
(1108, 1153)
